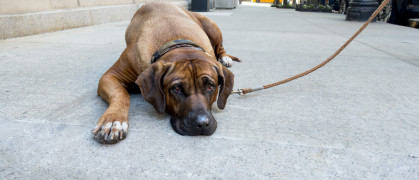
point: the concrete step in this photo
(17, 25)
(414, 23)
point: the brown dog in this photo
(172, 56)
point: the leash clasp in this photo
(239, 92)
(242, 92)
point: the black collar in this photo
(173, 45)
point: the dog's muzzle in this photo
(195, 124)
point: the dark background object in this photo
(396, 12)
(344, 4)
(361, 10)
(334, 4)
(200, 5)
(402, 10)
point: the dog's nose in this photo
(202, 121)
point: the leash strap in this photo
(173, 45)
(244, 91)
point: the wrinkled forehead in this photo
(191, 71)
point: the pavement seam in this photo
(280, 143)
(361, 42)
(62, 109)
(358, 150)
(388, 53)
(48, 43)
(91, 17)
(30, 121)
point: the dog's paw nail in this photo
(226, 61)
(124, 130)
(111, 132)
(96, 129)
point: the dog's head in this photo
(186, 89)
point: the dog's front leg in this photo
(113, 124)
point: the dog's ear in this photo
(226, 82)
(151, 85)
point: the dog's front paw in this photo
(110, 129)
(226, 61)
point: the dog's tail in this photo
(234, 58)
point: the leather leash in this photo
(244, 91)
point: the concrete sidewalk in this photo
(356, 118)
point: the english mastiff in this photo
(177, 60)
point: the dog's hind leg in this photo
(216, 38)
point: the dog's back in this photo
(157, 23)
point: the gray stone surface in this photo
(8, 7)
(225, 4)
(25, 24)
(356, 118)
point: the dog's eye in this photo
(210, 87)
(177, 89)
